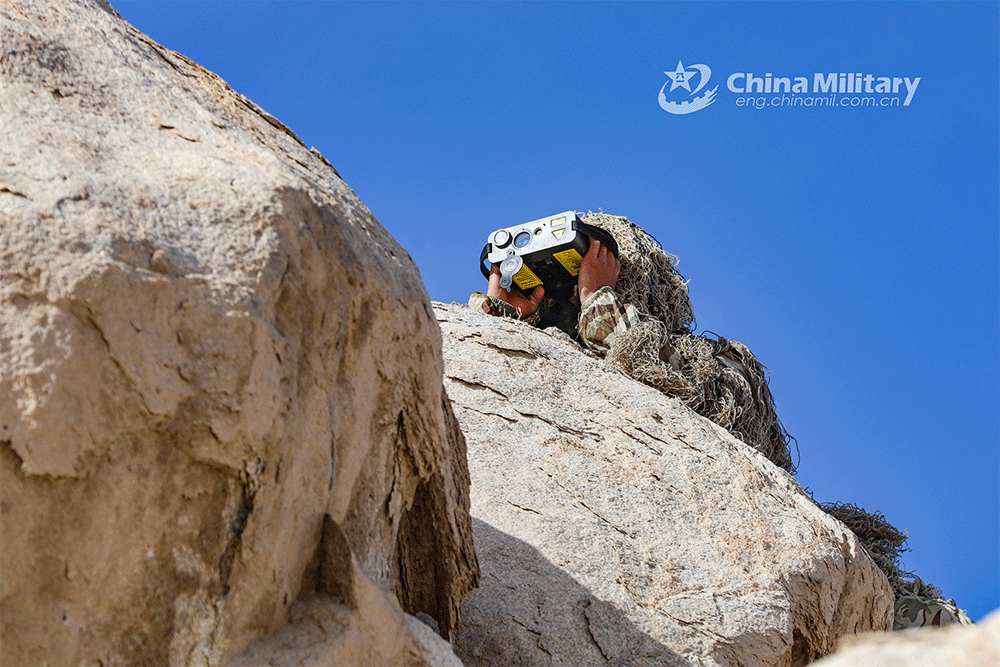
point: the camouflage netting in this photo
(719, 379)
(884, 543)
(649, 279)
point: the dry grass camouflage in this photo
(719, 379)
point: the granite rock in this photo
(212, 357)
(615, 526)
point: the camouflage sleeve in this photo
(602, 317)
(500, 308)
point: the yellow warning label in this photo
(558, 222)
(558, 233)
(570, 259)
(526, 279)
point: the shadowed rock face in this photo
(220, 376)
(615, 526)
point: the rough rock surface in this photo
(615, 526)
(953, 645)
(220, 377)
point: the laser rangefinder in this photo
(547, 251)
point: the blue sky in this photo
(853, 249)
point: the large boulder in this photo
(222, 411)
(616, 526)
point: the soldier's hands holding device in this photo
(548, 258)
(600, 268)
(526, 305)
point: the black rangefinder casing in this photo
(547, 251)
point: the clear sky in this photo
(854, 249)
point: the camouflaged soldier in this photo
(612, 295)
(635, 311)
(913, 611)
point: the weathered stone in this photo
(954, 646)
(359, 626)
(207, 345)
(615, 526)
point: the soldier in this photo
(635, 311)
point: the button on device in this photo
(501, 239)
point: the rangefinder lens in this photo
(511, 265)
(522, 239)
(501, 238)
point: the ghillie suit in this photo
(917, 604)
(719, 379)
(649, 279)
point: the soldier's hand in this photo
(525, 305)
(600, 268)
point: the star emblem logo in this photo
(680, 77)
(683, 77)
